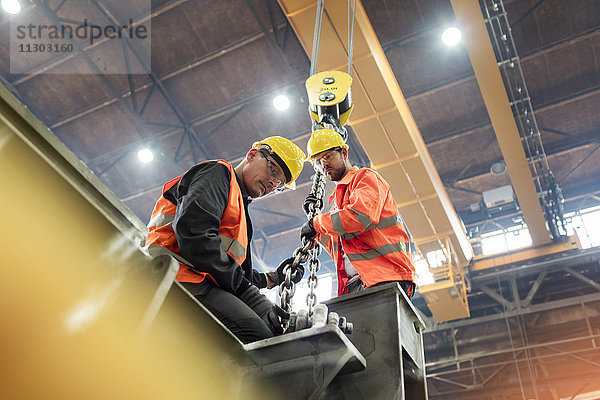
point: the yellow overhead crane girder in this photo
(481, 53)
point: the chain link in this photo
(314, 249)
(310, 249)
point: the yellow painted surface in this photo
(481, 53)
(527, 253)
(444, 301)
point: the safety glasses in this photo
(276, 174)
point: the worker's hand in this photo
(278, 276)
(312, 199)
(307, 231)
(270, 313)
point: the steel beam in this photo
(450, 382)
(480, 354)
(481, 53)
(136, 118)
(302, 364)
(509, 305)
(194, 123)
(583, 278)
(595, 297)
(573, 356)
(514, 258)
(515, 293)
(579, 164)
(179, 70)
(59, 60)
(534, 288)
(392, 344)
(233, 161)
(591, 91)
(469, 76)
(155, 79)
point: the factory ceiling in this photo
(215, 67)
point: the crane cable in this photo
(351, 35)
(314, 59)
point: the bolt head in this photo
(328, 81)
(327, 96)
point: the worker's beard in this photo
(338, 173)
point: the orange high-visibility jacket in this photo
(365, 222)
(232, 232)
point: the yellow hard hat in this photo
(322, 140)
(289, 157)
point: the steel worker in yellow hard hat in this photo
(363, 231)
(202, 219)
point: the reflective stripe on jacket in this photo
(365, 222)
(232, 231)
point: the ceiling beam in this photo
(234, 161)
(487, 353)
(489, 78)
(53, 62)
(136, 119)
(168, 75)
(109, 156)
(504, 390)
(589, 298)
(451, 182)
(582, 95)
(468, 76)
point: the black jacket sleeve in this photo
(201, 197)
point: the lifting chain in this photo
(309, 250)
(318, 191)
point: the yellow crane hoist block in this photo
(329, 93)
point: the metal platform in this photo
(388, 332)
(294, 366)
(302, 364)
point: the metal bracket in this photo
(300, 365)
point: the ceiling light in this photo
(498, 168)
(451, 36)
(145, 155)
(281, 102)
(11, 6)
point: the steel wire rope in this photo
(351, 35)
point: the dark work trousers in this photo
(357, 285)
(231, 311)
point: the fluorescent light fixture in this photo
(145, 155)
(11, 6)
(281, 102)
(451, 36)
